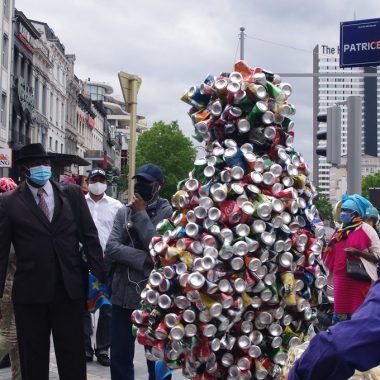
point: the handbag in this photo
(355, 269)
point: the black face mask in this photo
(145, 190)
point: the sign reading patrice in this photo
(5, 158)
(360, 43)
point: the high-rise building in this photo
(331, 90)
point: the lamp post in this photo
(130, 85)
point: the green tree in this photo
(166, 146)
(322, 202)
(370, 181)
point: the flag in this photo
(98, 294)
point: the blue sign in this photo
(360, 43)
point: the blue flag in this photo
(161, 371)
(98, 294)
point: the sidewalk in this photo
(96, 372)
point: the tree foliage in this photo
(370, 181)
(166, 146)
(322, 202)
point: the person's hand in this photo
(138, 204)
(350, 251)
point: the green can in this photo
(164, 226)
(243, 101)
(134, 330)
(287, 124)
(275, 92)
(258, 109)
(198, 171)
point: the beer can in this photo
(233, 156)
(257, 110)
(177, 332)
(196, 280)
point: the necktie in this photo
(42, 203)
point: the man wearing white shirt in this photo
(103, 210)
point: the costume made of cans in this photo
(8, 335)
(345, 347)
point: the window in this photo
(61, 148)
(5, 51)
(44, 92)
(3, 111)
(56, 145)
(6, 8)
(56, 111)
(62, 115)
(50, 142)
(36, 92)
(51, 106)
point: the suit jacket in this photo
(46, 252)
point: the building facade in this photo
(331, 90)
(56, 98)
(6, 12)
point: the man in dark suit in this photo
(49, 286)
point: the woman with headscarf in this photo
(8, 336)
(353, 239)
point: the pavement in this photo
(96, 372)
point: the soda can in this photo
(254, 351)
(182, 302)
(177, 332)
(208, 330)
(225, 286)
(216, 108)
(151, 296)
(252, 244)
(233, 87)
(275, 330)
(231, 212)
(219, 192)
(164, 301)
(215, 346)
(258, 226)
(237, 263)
(243, 126)
(226, 235)
(233, 156)
(196, 280)
(190, 330)
(256, 91)
(143, 337)
(256, 337)
(214, 214)
(239, 285)
(260, 372)
(139, 317)
(257, 111)
(207, 89)
(289, 288)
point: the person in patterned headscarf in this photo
(8, 336)
(357, 240)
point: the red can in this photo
(231, 212)
(143, 338)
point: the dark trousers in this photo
(123, 346)
(103, 331)
(63, 318)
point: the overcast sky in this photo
(173, 44)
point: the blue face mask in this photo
(40, 174)
(346, 217)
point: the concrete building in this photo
(6, 12)
(327, 91)
(56, 82)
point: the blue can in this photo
(234, 157)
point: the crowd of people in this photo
(53, 234)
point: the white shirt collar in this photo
(105, 198)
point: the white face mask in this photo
(97, 188)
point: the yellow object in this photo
(289, 288)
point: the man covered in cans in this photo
(128, 247)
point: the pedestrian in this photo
(8, 335)
(128, 247)
(48, 288)
(372, 217)
(353, 240)
(352, 345)
(103, 210)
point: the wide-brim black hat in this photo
(31, 152)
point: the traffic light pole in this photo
(354, 144)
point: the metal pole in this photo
(354, 144)
(132, 138)
(242, 29)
